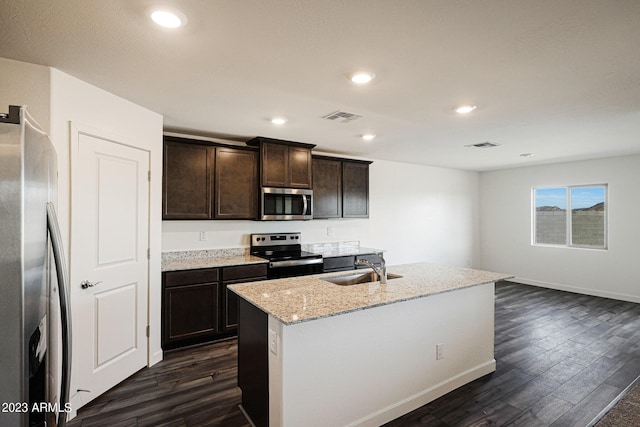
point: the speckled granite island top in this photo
(300, 299)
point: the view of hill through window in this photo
(585, 227)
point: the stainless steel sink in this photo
(355, 278)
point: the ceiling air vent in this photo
(341, 116)
(486, 144)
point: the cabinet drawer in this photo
(373, 258)
(190, 277)
(249, 271)
(339, 263)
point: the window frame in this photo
(568, 223)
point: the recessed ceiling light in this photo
(168, 19)
(368, 136)
(279, 120)
(464, 109)
(362, 77)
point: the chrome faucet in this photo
(381, 272)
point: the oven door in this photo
(286, 204)
(292, 268)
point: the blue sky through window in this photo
(585, 197)
(551, 197)
(581, 197)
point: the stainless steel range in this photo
(285, 255)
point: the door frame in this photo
(75, 132)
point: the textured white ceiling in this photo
(556, 78)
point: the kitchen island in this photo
(315, 353)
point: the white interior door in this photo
(109, 262)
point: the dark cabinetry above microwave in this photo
(205, 181)
(283, 164)
(340, 188)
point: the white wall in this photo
(418, 213)
(506, 228)
(25, 84)
(368, 370)
(73, 100)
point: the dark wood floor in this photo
(561, 359)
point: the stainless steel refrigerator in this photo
(34, 362)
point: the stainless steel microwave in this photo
(285, 204)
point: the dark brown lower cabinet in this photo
(230, 276)
(197, 306)
(190, 308)
(372, 258)
(339, 263)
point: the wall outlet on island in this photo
(439, 351)
(273, 341)
(329, 231)
(203, 236)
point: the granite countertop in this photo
(305, 298)
(191, 260)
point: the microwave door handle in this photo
(304, 204)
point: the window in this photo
(570, 216)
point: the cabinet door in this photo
(340, 263)
(299, 167)
(237, 274)
(355, 184)
(186, 183)
(236, 184)
(275, 165)
(191, 311)
(327, 188)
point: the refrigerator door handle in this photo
(65, 310)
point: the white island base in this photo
(368, 367)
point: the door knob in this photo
(87, 284)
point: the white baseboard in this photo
(425, 396)
(577, 290)
(155, 358)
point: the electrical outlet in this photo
(203, 236)
(273, 341)
(439, 351)
(329, 231)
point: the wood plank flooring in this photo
(561, 358)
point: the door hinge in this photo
(148, 253)
(149, 175)
(147, 331)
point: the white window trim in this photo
(569, 230)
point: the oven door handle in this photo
(293, 263)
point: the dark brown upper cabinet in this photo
(340, 188)
(236, 183)
(204, 181)
(355, 189)
(187, 181)
(327, 188)
(283, 164)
